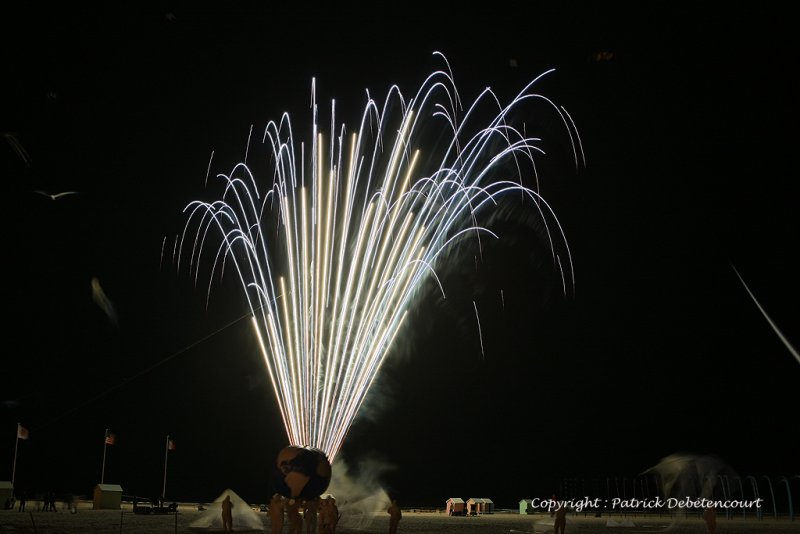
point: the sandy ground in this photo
(91, 521)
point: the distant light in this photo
(603, 55)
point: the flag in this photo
(170, 444)
(110, 439)
(22, 432)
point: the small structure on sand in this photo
(480, 505)
(6, 493)
(456, 506)
(107, 497)
(526, 506)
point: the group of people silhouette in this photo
(48, 502)
(320, 516)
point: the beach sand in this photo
(87, 520)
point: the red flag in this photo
(22, 432)
(170, 444)
(110, 439)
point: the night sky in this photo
(687, 118)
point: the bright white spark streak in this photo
(480, 331)
(775, 328)
(332, 252)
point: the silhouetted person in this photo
(395, 515)
(294, 517)
(227, 514)
(323, 516)
(276, 513)
(70, 501)
(334, 515)
(710, 517)
(22, 499)
(310, 515)
(561, 520)
(328, 516)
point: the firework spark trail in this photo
(480, 334)
(358, 231)
(775, 328)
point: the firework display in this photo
(333, 244)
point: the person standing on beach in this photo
(227, 514)
(334, 515)
(294, 516)
(395, 515)
(560, 521)
(710, 517)
(328, 516)
(276, 513)
(323, 516)
(310, 515)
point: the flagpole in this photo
(16, 446)
(166, 455)
(105, 446)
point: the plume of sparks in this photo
(332, 251)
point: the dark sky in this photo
(686, 118)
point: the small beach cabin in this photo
(480, 505)
(526, 506)
(456, 506)
(107, 497)
(6, 493)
